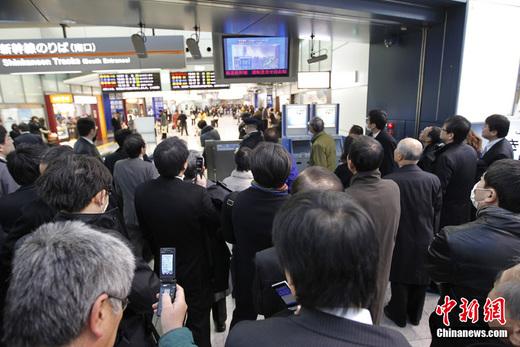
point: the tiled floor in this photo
(418, 336)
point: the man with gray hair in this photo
(421, 202)
(323, 150)
(69, 287)
(507, 286)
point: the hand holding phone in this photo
(173, 313)
(284, 292)
(167, 277)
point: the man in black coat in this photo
(431, 140)
(456, 165)
(253, 135)
(86, 143)
(111, 159)
(23, 165)
(326, 244)
(466, 259)
(251, 220)
(495, 131)
(26, 137)
(175, 213)
(421, 202)
(376, 122)
(268, 270)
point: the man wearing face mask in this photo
(78, 187)
(466, 259)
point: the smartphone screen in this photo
(200, 164)
(284, 292)
(167, 265)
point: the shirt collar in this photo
(374, 134)
(87, 139)
(360, 315)
(492, 143)
(181, 177)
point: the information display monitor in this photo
(255, 56)
(330, 115)
(128, 82)
(194, 80)
(295, 119)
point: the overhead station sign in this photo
(89, 54)
(129, 82)
(195, 80)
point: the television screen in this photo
(296, 116)
(256, 56)
(328, 114)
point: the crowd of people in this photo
(81, 238)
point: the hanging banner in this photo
(88, 54)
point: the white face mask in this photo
(472, 196)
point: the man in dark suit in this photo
(23, 165)
(380, 198)
(456, 166)
(376, 122)
(421, 202)
(251, 220)
(466, 259)
(111, 159)
(267, 267)
(175, 213)
(431, 140)
(86, 143)
(326, 244)
(495, 131)
(26, 137)
(253, 136)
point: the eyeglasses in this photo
(124, 301)
(444, 129)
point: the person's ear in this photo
(99, 315)
(397, 156)
(100, 198)
(351, 166)
(492, 197)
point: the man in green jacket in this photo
(323, 150)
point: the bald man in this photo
(507, 286)
(421, 201)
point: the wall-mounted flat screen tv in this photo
(255, 56)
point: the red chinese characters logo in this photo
(493, 310)
(445, 309)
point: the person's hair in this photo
(3, 135)
(24, 162)
(14, 126)
(498, 123)
(378, 117)
(510, 291)
(317, 124)
(191, 169)
(70, 183)
(202, 124)
(58, 273)
(366, 153)
(85, 125)
(474, 140)
(271, 135)
(411, 149)
(23, 127)
(243, 158)
(121, 135)
(458, 126)
(270, 164)
(435, 134)
(356, 130)
(504, 176)
(133, 145)
(316, 178)
(169, 157)
(56, 152)
(327, 243)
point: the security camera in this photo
(316, 58)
